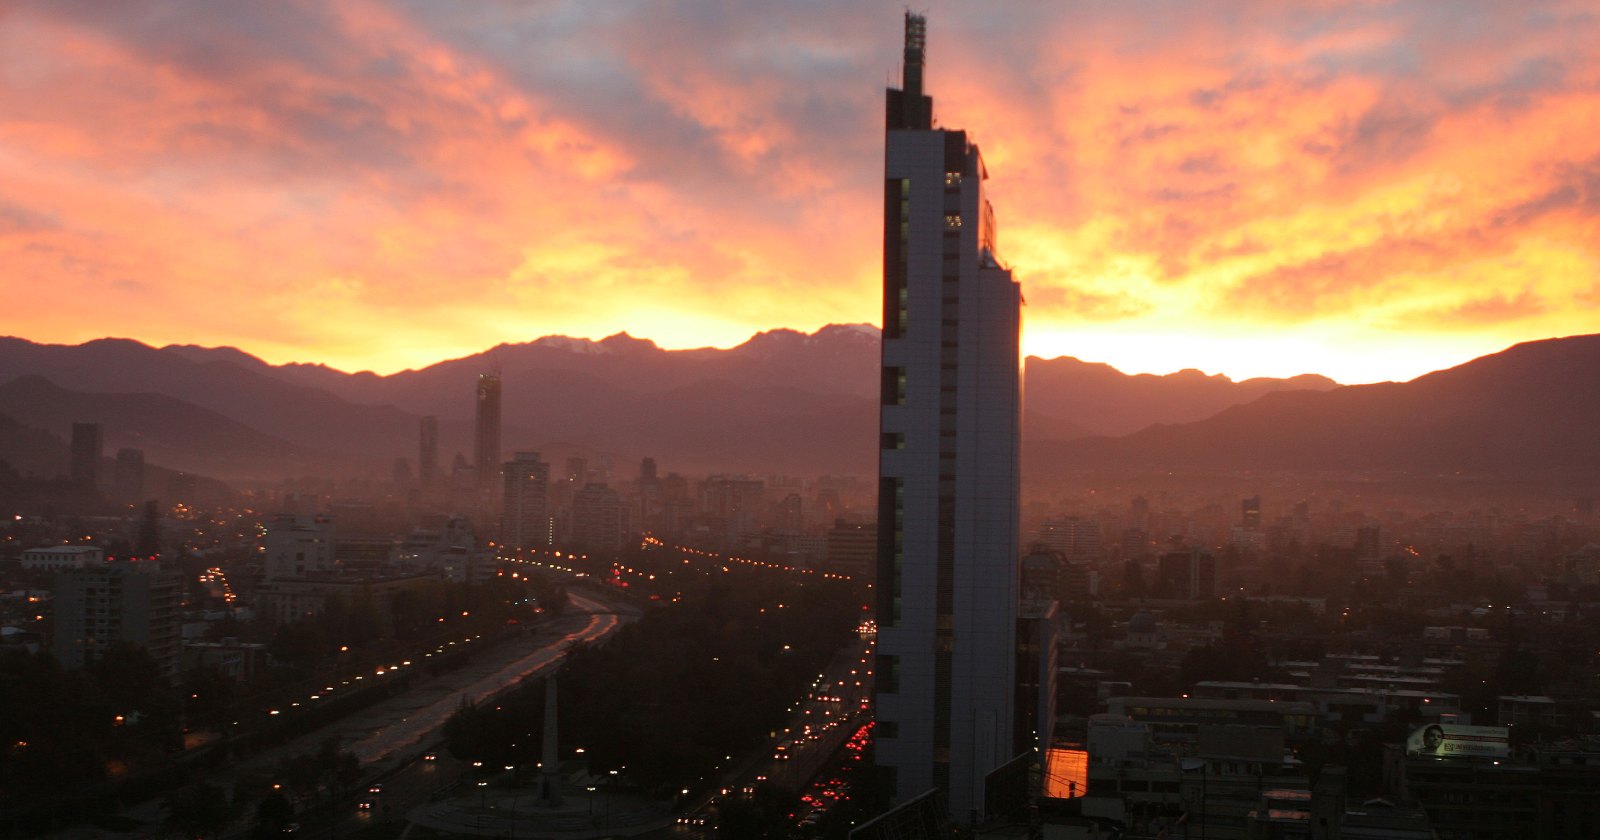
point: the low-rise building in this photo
(58, 557)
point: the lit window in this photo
(952, 179)
(952, 222)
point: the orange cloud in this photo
(1364, 190)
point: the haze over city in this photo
(1366, 191)
(563, 421)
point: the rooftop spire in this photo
(910, 107)
(916, 44)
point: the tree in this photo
(208, 696)
(132, 683)
(301, 643)
(1518, 672)
(302, 775)
(272, 815)
(346, 771)
(199, 810)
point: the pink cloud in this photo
(379, 184)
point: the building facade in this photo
(101, 605)
(948, 463)
(486, 434)
(599, 520)
(88, 441)
(55, 558)
(428, 451)
(127, 483)
(298, 545)
(525, 520)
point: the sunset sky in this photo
(1368, 190)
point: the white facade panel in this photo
(947, 583)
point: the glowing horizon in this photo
(1368, 192)
(1134, 360)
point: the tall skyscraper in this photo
(525, 515)
(948, 463)
(486, 441)
(428, 452)
(88, 441)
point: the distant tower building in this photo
(648, 500)
(1250, 513)
(599, 520)
(428, 452)
(1140, 509)
(1136, 544)
(948, 470)
(736, 501)
(87, 442)
(577, 472)
(677, 506)
(1369, 542)
(116, 602)
(1075, 537)
(1189, 575)
(1041, 574)
(127, 478)
(791, 513)
(486, 443)
(525, 513)
(299, 545)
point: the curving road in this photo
(423, 710)
(380, 732)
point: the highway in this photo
(387, 736)
(423, 710)
(828, 716)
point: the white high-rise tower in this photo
(949, 462)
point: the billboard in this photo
(1450, 740)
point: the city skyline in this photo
(1368, 193)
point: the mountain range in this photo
(785, 402)
(1527, 412)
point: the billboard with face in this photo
(1450, 740)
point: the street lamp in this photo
(609, 789)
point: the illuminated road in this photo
(378, 734)
(410, 718)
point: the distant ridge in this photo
(1106, 401)
(782, 402)
(1528, 411)
(170, 431)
